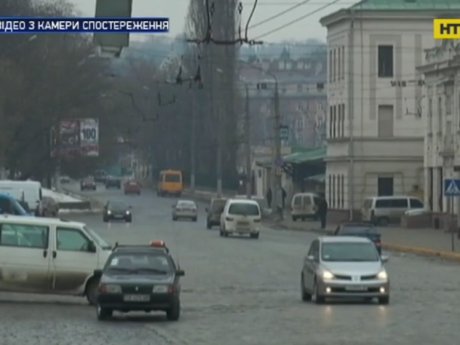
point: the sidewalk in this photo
(428, 242)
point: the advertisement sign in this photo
(89, 137)
(69, 136)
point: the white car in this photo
(50, 256)
(185, 209)
(241, 217)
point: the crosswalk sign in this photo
(452, 187)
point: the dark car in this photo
(139, 278)
(100, 176)
(88, 184)
(214, 211)
(361, 230)
(112, 182)
(117, 210)
(132, 187)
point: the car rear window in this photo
(172, 178)
(134, 262)
(244, 209)
(218, 205)
(357, 230)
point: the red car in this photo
(132, 187)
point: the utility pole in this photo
(220, 147)
(248, 147)
(276, 177)
(193, 145)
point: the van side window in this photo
(307, 200)
(22, 235)
(314, 249)
(399, 203)
(72, 240)
(414, 203)
(383, 203)
(5, 206)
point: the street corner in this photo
(421, 251)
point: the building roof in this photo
(417, 6)
(304, 156)
(401, 5)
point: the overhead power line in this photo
(279, 14)
(298, 19)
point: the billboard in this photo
(89, 137)
(79, 137)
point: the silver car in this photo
(185, 209)
(343, 266)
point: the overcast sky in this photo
(176, 10)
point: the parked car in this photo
(215, 209)
(185, 209)
(88, 184)
(361, 230)
(132, 187)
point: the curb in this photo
(82, 212)
(453, 256)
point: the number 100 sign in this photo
(89, 137)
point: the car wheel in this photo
(315, 297)
(255, 236)
(174, 218)
(384, 300)
(103, 313)
(91, 291)
(294, 218)
(195, 219)
(173, 313)
(129, 220)
(208, 225)
(305, 295)
(105, 219)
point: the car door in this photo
(309, 267)
(74, 259)
(24, 258)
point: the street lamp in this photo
(220, 141)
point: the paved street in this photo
(241, 291)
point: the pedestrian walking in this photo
(283, 197)
(269, 198)
(322, 212)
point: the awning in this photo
(321, 178)
(305, 156)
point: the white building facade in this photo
(442, 117)
(375, 130)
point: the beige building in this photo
(442, 114)
(375, 129)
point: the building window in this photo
(339, 191)
(343, 120)
(333, 191)
(334, 65)
(385, 121)
(330, 121)
(329, 189)
(334, 121)
(299, 87)
(440, 115)
(430, 115)
(343, 191)
(343, 62)
(448, 103)
(385, 186)
(385, 61)
(330, 65)
(339, 63)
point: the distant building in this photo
(375, 129)
(442, 114)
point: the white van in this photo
(241, 217)
(47, 255)
(382, 210)
(28, 191)
(304, 205)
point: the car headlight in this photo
(160, 289)
(110, 288)
(127, 212)
(109, 212)
(327, 275)
(382, 275)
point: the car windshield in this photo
(118, 205)
(189, 204)
(244, 209)
(140, 262)
(349, 252)
(98, 239)
(172, 178)
(346, 230)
